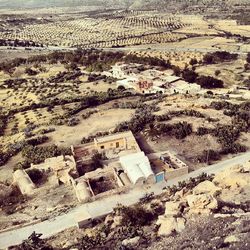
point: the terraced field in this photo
(120, 29)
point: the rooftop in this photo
(113, 137)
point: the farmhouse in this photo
(151, 81)
(121, 167)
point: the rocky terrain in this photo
(214, 215)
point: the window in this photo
(117, 145)
(102, 147)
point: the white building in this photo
(182, 87)
(128, 83)
(138, 169)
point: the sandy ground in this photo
(231, 73)
(103, 121)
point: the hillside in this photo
(207, 212)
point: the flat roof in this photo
(170, 79)
(113, 137)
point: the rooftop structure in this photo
(124, 141)
(138, 169)
(23, 181)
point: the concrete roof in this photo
(170, 79)
(114, 137)
(137, 166)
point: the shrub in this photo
(37, 154)
(189, 75)
(134, 216)
(96, 161)
(30, 72)
(193, 61)
(219, 56)
(209, 82)
(209, 155)
(73, 121)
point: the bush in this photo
(73, 121)
(96, 161)
(37, 154)
(217, 72)
(209, 155)
(180, 130)
(189, 75)
(209, 82)
(30, 72)
(134, 216)
(218, 57)
(142, 117)
(248, 57)
(193, 61)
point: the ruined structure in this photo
(59, 169)
(166, 166)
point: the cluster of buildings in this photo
(151, 81)
(122, 167)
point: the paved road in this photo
(104, 206)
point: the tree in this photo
(217, 72)
(209, 82)
(96, 161)
(189, 75)
(30, 72)
(35, 175)
(248, 57)
(177, 70)
(121, 88)
(193, 61)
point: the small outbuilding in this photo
(138, 169)
(23, 181)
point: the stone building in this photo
(167, 166)
(23, 181)
(119, 142)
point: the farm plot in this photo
(101, 32)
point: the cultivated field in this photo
(111, 29)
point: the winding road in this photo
(105, 206)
